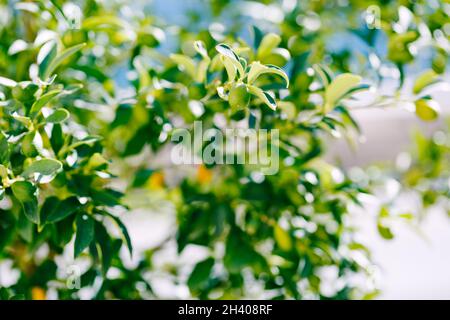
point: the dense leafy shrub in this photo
(91, 91)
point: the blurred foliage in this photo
(91, 91)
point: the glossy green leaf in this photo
(95, 22)
(200, 275)
(339, 87)
(229, 55)
(324, 73)
(42, 101)
(385, 232)
(269, 42)
(424, 80)
(28, 147)
(263, 96)
(257, 69)
(282, 238)
(59, 115)
(64, 209)
(46, 55)
(85, 233)
(25, 192)
(60, 58)
(44, 167)
(124, 232)
(427, 109)
(4, 149)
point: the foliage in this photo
(84, 107)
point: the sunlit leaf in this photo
(269, 42)
(257, 69)
(339, 87)
(44, 167)
(264, 96)
(59, 115)
(25, 192)
(424, 80)
(427, 109)
(60, 58)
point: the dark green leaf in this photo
(85, 233)
(25, 192)
(46, 55)
(4, 149)
(64, 209)
(124, 232)
(200, 275)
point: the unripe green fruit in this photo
(239, 97)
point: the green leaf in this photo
(44, 167)
(25, 192)
(200, 275)
(42, 101)
(85, 233)
(268, 43)
(352, 91)
(49, 206)
(229, 55)
(60, 59)
(97, 162)
(64, 209)
(202, 69)
(264, 96)
(257, 35)
(57, 138)
(226, 51)
(123, 230)
(28, 147)
(25, 227)
(325, 74)
(239, 254)
(229, 67)
(424, 80)
(282, 238)
(87, 140)
(4, 149)
(96, 22)
(45, 56)
(339, 87)
(58, 116)
(427, 109)
(185, 62)
(199, 46)
(239, 97)
(257, 69)
(144, 77)
(106, 197)
(27, 122)
(385, 232)
(105, 242)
